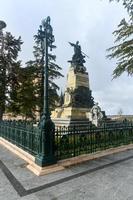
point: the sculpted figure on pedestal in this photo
(78, 60)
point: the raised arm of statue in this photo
(72, 44)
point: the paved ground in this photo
(108, 178)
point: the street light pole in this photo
(46, 105)
(2, 72)
(2, 26)
(46, 155)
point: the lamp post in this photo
(2, 26)
(46, 155)
(2, 72)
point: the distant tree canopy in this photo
(9, 69)
(21, 88)
(123, 50)
(31, 91)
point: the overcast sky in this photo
(89, 21)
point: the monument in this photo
(78, 100)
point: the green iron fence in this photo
(74, 141)
(21, 133)
(69, 141)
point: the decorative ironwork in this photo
(23, 134)
(74, 141)
(68, 141)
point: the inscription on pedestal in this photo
(82, 80)
(77, 79)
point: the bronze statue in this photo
(78, 58)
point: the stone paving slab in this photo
(107, 178)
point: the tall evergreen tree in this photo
(23, 98)
(33, 85)
(123, 50)
(54, 73)
(27, 92)
(8, 69)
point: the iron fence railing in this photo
(69, 141)
(74, 141)
(21, 133)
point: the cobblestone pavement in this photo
(107, 178)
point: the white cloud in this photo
(116, 95)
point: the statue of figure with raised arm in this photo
(78, 57)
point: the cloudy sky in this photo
(89, 21)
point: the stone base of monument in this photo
(70, 112)
(78, 100)
(78, 107)
(71, 122)
(70, 116)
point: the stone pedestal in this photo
(70, 112)
(77, 100)
(77, 90)
(76, 79)
(78, 93)
(69, 116)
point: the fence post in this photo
(47, 154)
